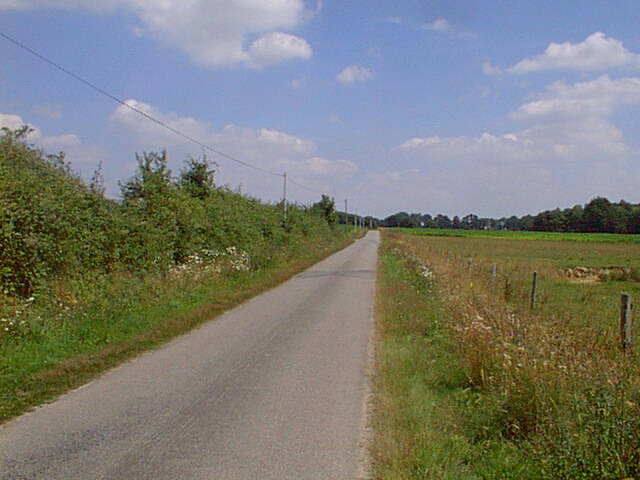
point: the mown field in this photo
(514, 235)
(518, 393)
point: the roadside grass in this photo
(552, 381)
(61, 346)
(518, 235)
(429, 421)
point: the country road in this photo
(274, 389)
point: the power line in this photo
(305, 187)
(136, 110)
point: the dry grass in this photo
(564, 388)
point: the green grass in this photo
(68, 346)
(513, 235)
(428, 422)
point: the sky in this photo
(491, 107)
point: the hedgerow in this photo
(54, 227)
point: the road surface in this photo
(274, 389)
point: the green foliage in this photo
(53, 226)
(327, 208)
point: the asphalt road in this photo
(274, 389)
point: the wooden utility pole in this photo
(284, 199)
(346, 215)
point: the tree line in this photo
(598, 216)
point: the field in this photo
(545, 392)
(514, 235)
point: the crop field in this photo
(551, 381)
(515, 235)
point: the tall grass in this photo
(429, 422)
(554, 378)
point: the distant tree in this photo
(456, 223)
(599, 216)
(153, 176)
(574, 218)
(442, 221)
(470, 221)
(327, 208)
(197, 178)
(526, 223)
(512, 223)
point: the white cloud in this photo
(213, 33)
(354, 74)
(596, 52)
(595, 98)
(252, 144)
(277, 47)
(439, 25)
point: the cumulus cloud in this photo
(213, 33)
(354, 74)
(277, 47)
(596, 52)
(567, 120)
(597, 98)
(247, 142)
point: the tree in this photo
(599, 216)
(327, 207)
(198, 177)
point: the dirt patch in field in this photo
(601, 274)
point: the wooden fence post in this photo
(507, 289)
(625, 322)
(534, 288)
(494, 269)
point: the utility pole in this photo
(284, 200)
(346, 215)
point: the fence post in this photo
(494, 269)
(534, 288)
(507, 289)
(625, 322)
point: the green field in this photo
(512, 235)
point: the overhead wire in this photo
(144, 114)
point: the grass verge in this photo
(429, 422)
(128, 317)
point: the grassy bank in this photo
(550, 383)
(429, 420)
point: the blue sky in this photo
(443, 106)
